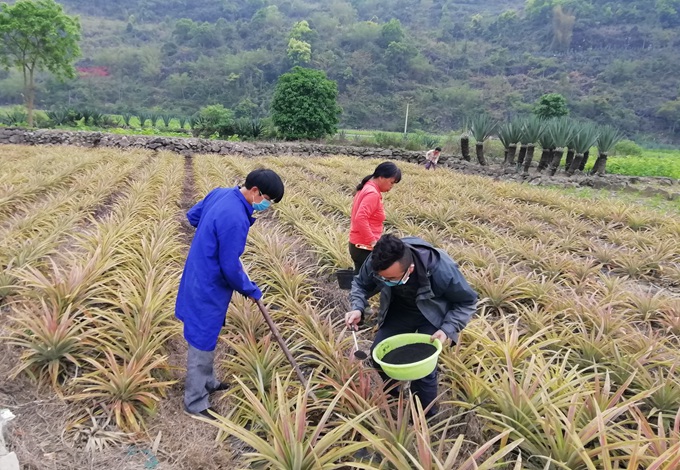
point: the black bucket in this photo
(345, 277)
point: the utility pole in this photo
(406, 121)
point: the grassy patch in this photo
(651, 163)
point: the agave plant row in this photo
(520, 136)
(570, 362)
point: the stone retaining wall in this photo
(665, 187)
(191, 146)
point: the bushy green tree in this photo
(302, 31)
(305, 104)
(214, 119)
(299, 52)
(37, 36)
(299, 43)
(362, 34)
(543, 8)
(627, 148)
(184, 29)
(246, 108)
(391, 32)
(551, 105)
(669, 12)
(398, 55)
(670, 111)
(197, 34)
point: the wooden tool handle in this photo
(286, 351)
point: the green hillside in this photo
(616, 62)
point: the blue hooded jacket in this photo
(213, 270)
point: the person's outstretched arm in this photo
(463, 302)
(364, 286)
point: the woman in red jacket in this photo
(368, 215)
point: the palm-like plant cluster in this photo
(553, 136)
(569, 364)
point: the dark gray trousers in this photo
(200, 380)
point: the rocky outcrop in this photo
(191, 146)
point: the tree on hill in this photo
(299, 48)
(305, 104)
(670, 112)
(563, 28)
(551, 105)
(391, 32)
(37, 36)
(669, 12)
(299, 52)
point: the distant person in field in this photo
(432, 157)
(368, 213)
(421, 291)
(213, 271)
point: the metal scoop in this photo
(357, 353)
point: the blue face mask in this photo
(262, 205)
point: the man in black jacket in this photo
(421, 290)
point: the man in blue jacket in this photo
(213, 271)
(421, 290)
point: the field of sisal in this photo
(570, 363)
